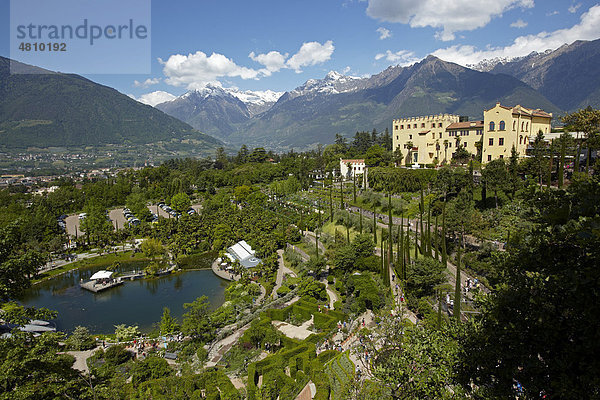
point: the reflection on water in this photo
(138, 302)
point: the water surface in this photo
(138, 302)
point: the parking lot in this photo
(117, 218)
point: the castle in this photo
(434, 138)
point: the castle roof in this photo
(465, 125)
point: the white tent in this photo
(101, 275)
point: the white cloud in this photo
(195, 71)
(154, 98)
(451, 16)
(146, 83)
(384, 33)
(310, 53)
(573, 9)
(402, 57)
(273, 61)
(587, 29)
(551, 13)
(518, 24)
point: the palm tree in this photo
(446, 150)
(409, 145)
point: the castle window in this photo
(396, 127)
(522, 126)
(433, 125)
(489, 157)
(440, 125)
(514, 125)
(491, 142)
(440, 135)
(401, 126)
(410, 137)
(501, 156)
(492, 125)
(502, 126)
(501, 141)
(527, 126)
(422, 124)
(521, 139)
(415, 125)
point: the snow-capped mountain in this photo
(314, 112)
(489, 63)
(333, 83)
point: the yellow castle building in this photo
(508, 126)
(434, 138)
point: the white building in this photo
(351, 168)
(242, 252)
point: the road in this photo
(281, 272)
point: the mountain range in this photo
(40, 108)
(555, 81)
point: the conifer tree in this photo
(443, 238)
(457, 288)
(374, 229)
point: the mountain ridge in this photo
(52, 109)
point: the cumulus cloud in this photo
(384, 33)
(196, 70)
(402, 57)
(573, 9)
(155, 98)
(588, 28)
(273, 61)
(146, 83)
(518, 24)
(551, 13)
(310, 53)
(450, 16)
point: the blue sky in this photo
(279, 44)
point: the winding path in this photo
(281, 272)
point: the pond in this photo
(138, 302)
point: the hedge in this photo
(398, 180)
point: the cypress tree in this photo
(416, 240)
(439, 316)
(428, 233)
(382, 257)
(360, 220)
(390, 229)
(348, 229)
(354, 189)
(421, 211)
(443, 238)
(435, 239)
(457, 291)
(317, 244)
(406, 265)
(551, 165)
(341, 193)
(398, 254)
(401, 254)
(331, 200)
(374, 229)
(561, 162)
